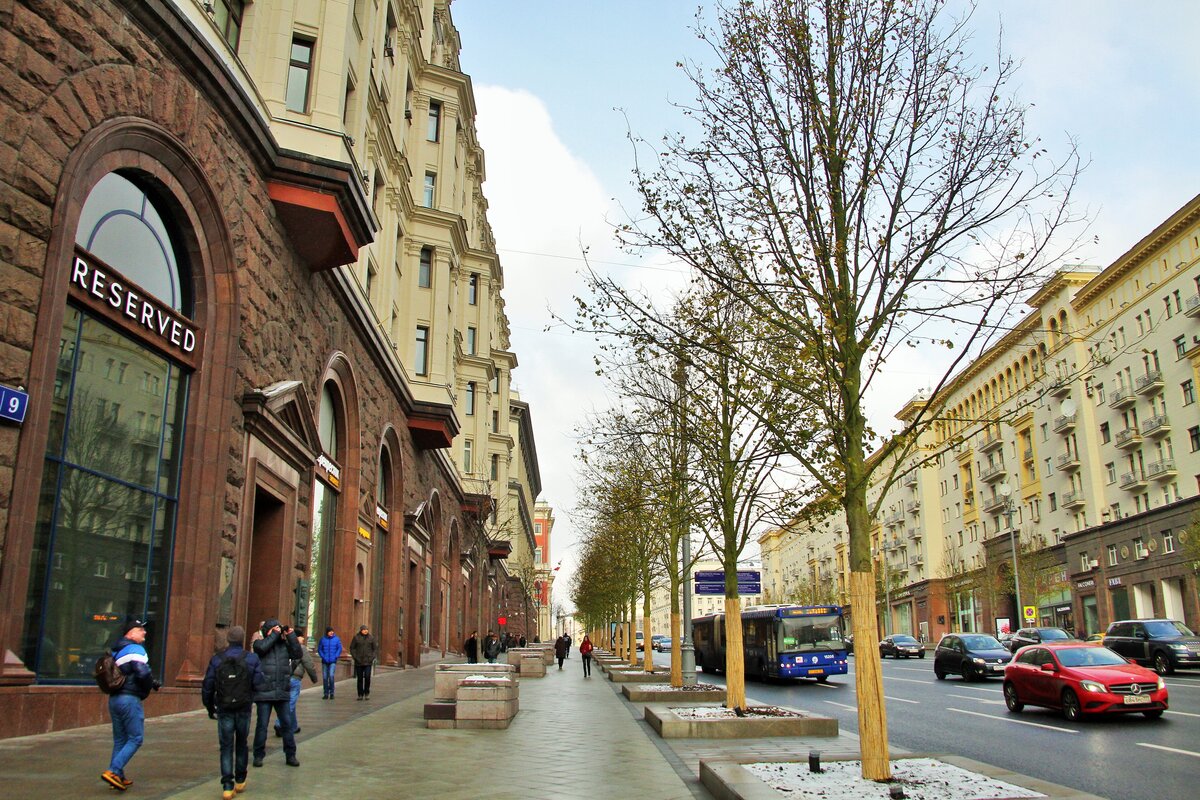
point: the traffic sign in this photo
(1030, 613)
(718, 576)
(719, 588)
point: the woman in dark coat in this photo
(471, 648)
(560, 650)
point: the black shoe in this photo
(258, 762)
(296, 731)
(292, 761)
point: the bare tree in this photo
(859, 186)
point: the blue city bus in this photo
(778, 642)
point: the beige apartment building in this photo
(1071, 447)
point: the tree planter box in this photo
(486, 704)
(670, 725)
(637, 676)
(447, 676)
(728, 779)
(654, 693)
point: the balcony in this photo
(1191, 306)
(893, 544)
(1067, 462)
(1060, 387)
(913, 506)
(1027, 454)
(1130, 437)
(916, 561)
(1073, 500)
(1121, 398)
(1065, 423)
(1160, 470)
(895, 518)
(991, 442)
(993, 472)
(914, 534)
(1150, 383)
(910, 478)
(993, 503)
(1133, 481)
(1156, 426)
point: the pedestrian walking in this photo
(560, 650)
(233, 676)
(471, 648)
(276, 650)
(299, 669)
(125, 705)
(568, 636)
(521, 642)
(364, 650)
(329, 649)
(491, 648)
(585, 650)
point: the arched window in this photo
(110, 482)
(325, 500)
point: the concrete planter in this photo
(669, 725)
(649, 693)
(727, 779)
(637, 676)
(447, 676)
(486, 704)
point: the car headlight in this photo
(978, 660)
(1092, 686)
(1179, 647)
(1162, 684)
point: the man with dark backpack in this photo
(126, 691)
(233, 676)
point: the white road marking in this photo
(842, 705)
(902, 700)
(1013, 721)
(906, 680)
(1169, 749)
(1183, 714)
(979, 699)
(829, 685)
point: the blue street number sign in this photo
(13, 404)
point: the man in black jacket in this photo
(233, 721)
(276, 650)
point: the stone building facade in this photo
(222, 426)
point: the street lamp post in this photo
(1009, 509)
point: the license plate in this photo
(1136, 699)
(816, 672)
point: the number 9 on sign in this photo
(13, 403)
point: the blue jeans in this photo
(328, 668)
(129, 724)
(233, 731)
(292, 705)
(281, 709)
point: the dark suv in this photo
(1028, 636)
(1161, 644)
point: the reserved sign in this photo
(105, 290)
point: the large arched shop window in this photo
(380, 544)
(106, 515)
(325, 495)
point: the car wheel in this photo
(825, 679)
(966, 673)
(1071, 709)
(922, 655)
(1011, 700)
(1155, 714)
(937, 673)
(1162, 664)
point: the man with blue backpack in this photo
(233, 676)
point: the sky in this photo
(561, 84)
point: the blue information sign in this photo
(719, 588)
(718, 576)
(13, 404)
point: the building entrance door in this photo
(266, 561)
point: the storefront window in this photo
(106, 519)
(324, 516)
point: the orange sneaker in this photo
(114, 780)
(239, 787)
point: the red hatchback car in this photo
(1080, 679)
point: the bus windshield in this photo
(823, 632)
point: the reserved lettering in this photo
(113, 290)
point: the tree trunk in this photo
(872, 715)
(735, 667)
(633, 654)
(676, 653)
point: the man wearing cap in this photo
(278, 648)
(364, 650)
(233, 724)
(125, 707)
